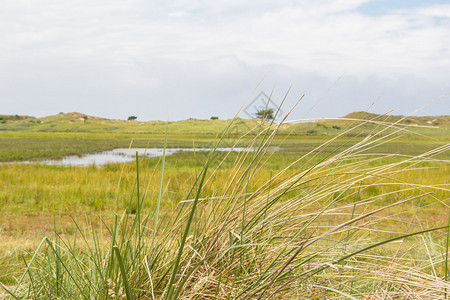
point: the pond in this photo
(121, 155)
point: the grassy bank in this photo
(34, 147)
(437, 126)
(39, 146)
(35, 188)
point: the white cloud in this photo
(179, 14)
(436, 11)
(214, 51)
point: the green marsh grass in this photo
(339, 223)
(27, 138)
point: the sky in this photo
(180, 59)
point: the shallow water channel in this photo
(121, 155)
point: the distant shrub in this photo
(16, 117)
(336, 127)
(322, 125)
(132, 118)
(265, 114)
(214, 118)
(311, 132)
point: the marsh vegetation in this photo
(357, 210)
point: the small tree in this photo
(265, 114)
(85, 118)
(132, 118)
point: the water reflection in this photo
(121, 155)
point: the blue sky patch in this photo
(381, 7)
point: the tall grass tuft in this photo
(315, 229)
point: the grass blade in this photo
(185, 235)
(124, 274)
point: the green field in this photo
(288, 222)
